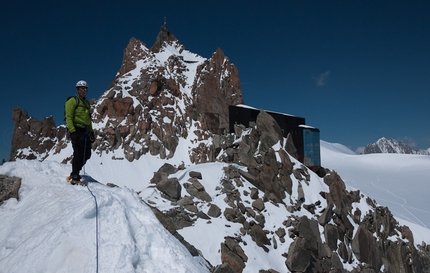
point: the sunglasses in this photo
(83, 88)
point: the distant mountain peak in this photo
(391, 146)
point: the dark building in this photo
(306, 138)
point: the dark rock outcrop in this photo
(233, 255)
(32, 138)
(9, 187)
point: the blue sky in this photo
(357, 70)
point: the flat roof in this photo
(258, 109)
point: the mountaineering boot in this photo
(75, 179)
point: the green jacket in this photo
(79, 116)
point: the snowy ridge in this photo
(52, 227)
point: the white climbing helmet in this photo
(82, 84)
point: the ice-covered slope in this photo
(398, 181)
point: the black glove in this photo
(74, 136)
(92, 137)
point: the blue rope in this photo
(97, 230)
(97, 208)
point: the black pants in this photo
(81, 148)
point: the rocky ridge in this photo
(327, 233)
(159, 97)
(164, 95)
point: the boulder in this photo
(194, 174)
(298, 257)
(9, 187)
(269, 130)
(167, 169)
(258, 204)
(366, 249)
(214, 211)
(233, 255)
(170, 187)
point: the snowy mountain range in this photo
(384, 145)
(170, 189)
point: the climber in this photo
(80, 130)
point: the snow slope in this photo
(52, 228)
(399, 181)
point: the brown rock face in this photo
(132, 53)
(365, 248)
(218, 86)
(36, 137)
(164, 36)
(156, 107)
(264, 171)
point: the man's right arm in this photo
(70, 112)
